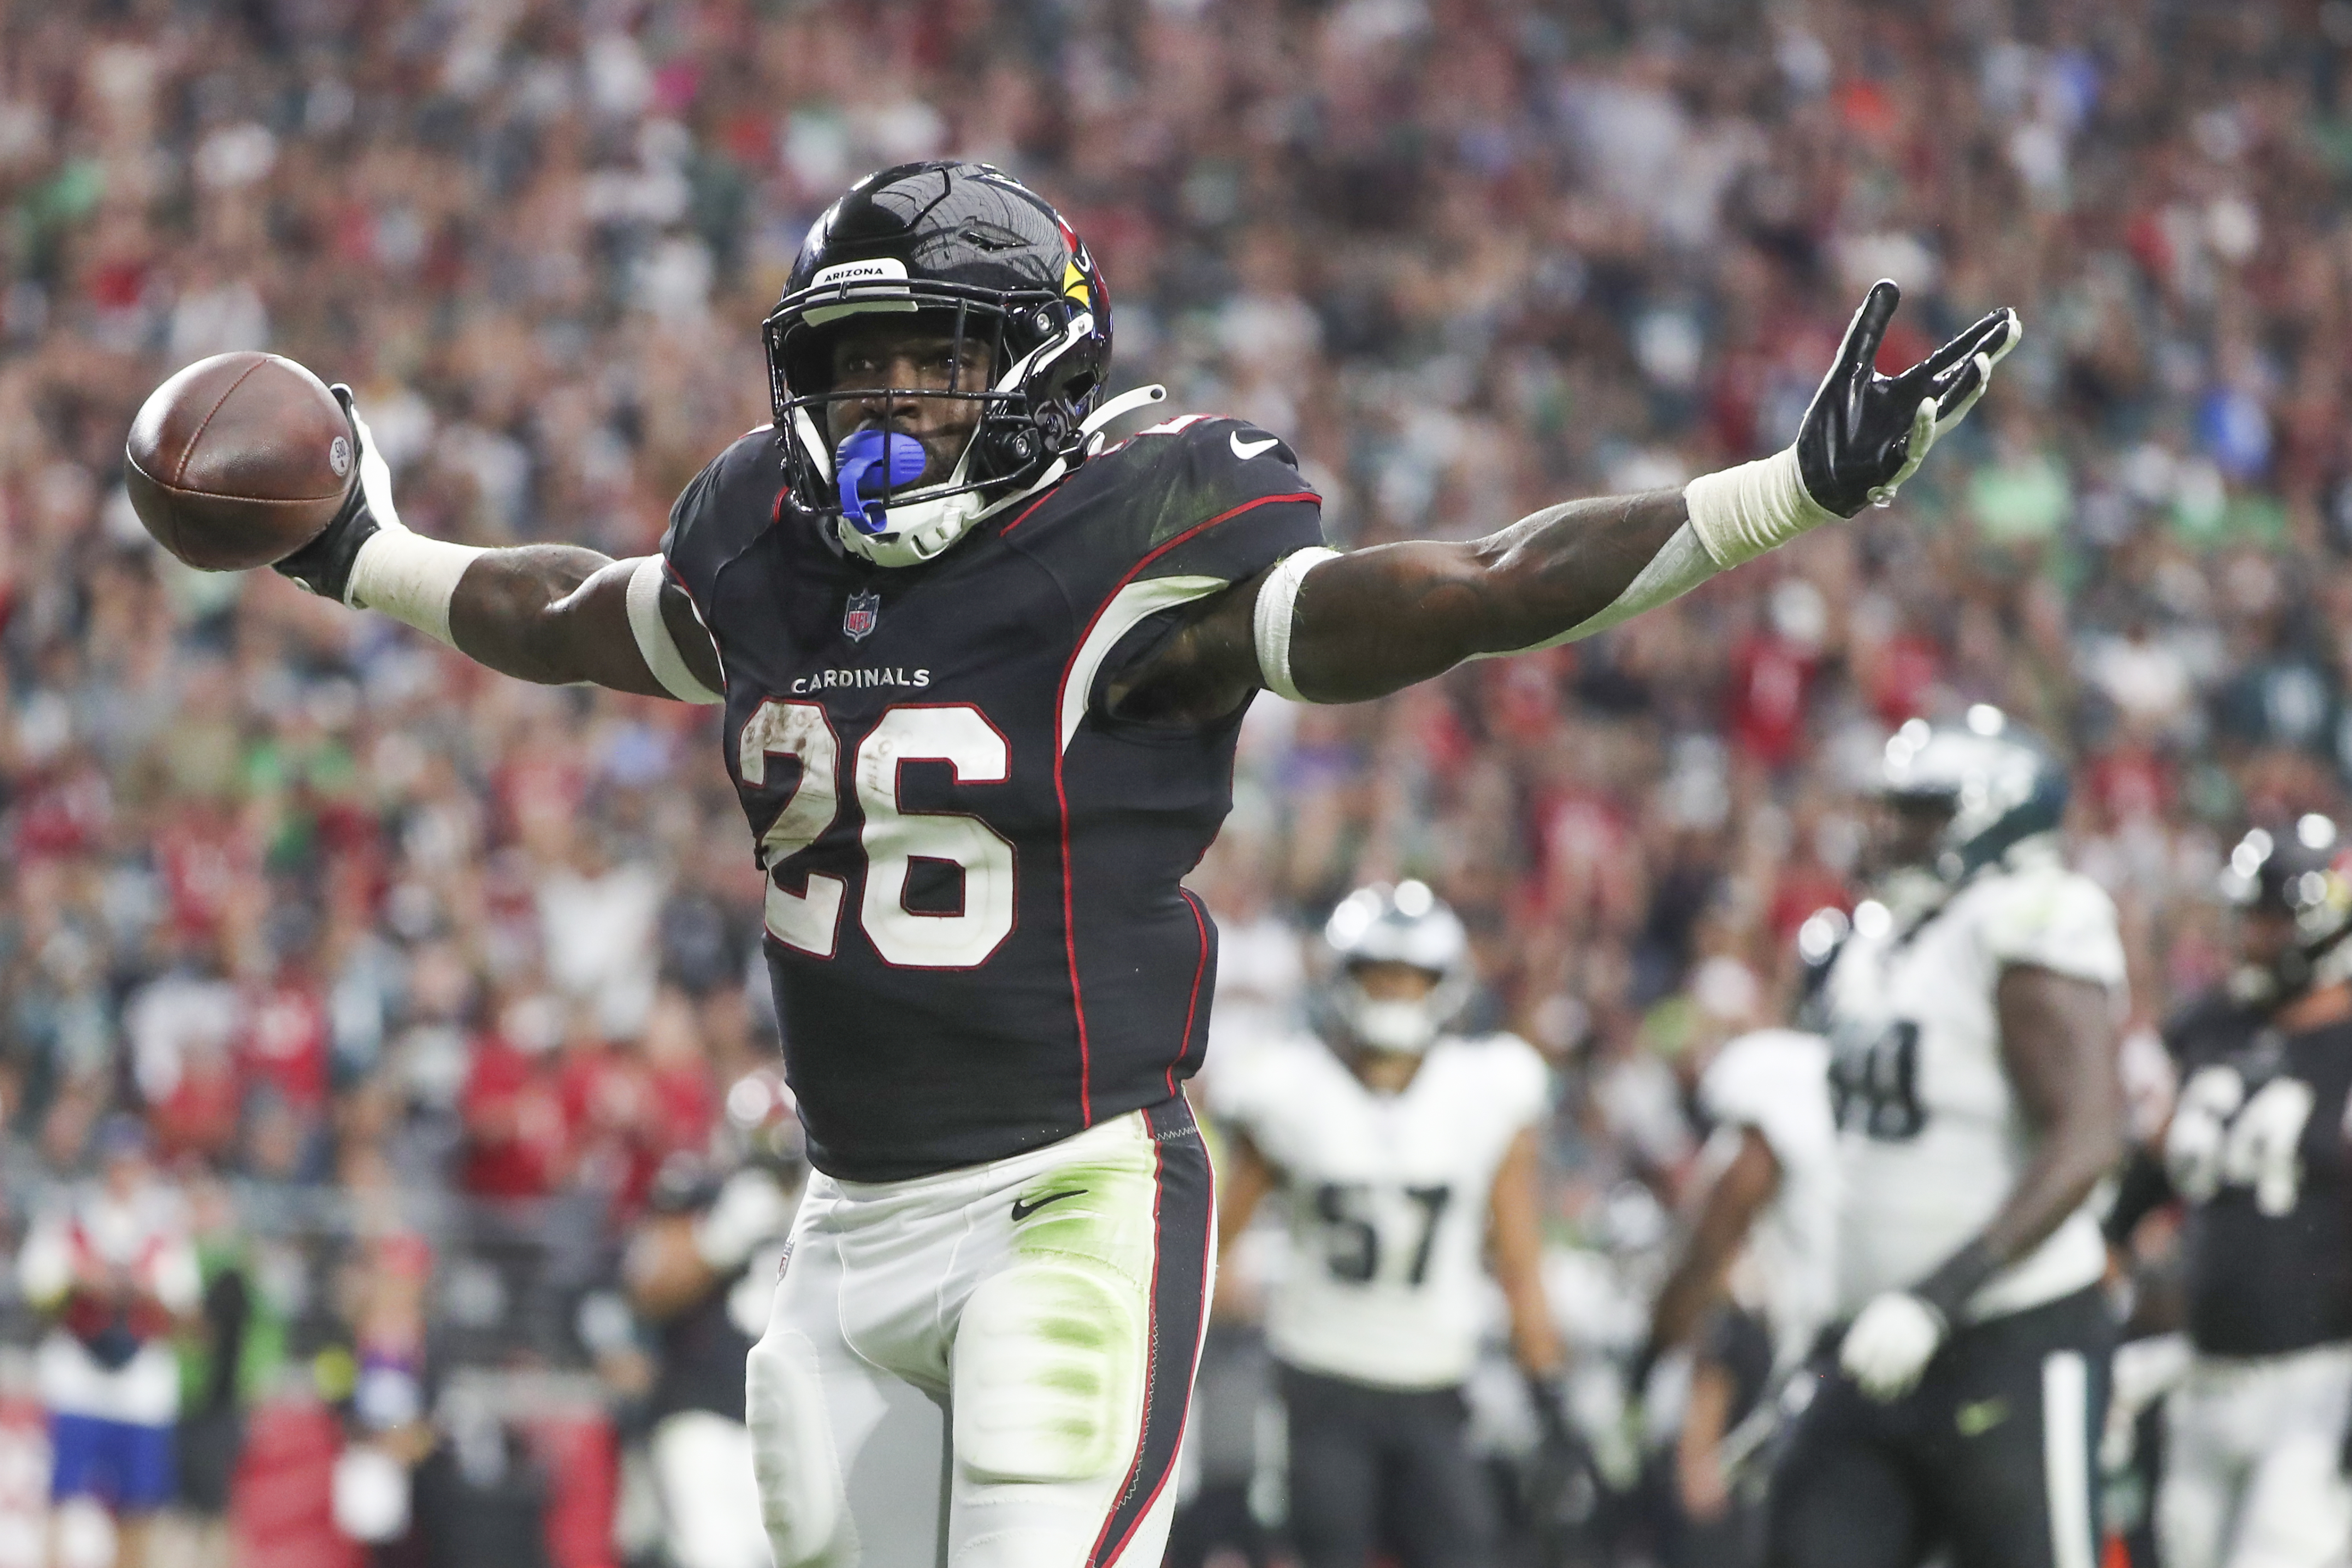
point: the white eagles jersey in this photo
(1930, 1137)
(1776, 1081)
(1388, 1200)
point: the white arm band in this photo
(410, 578)
(654, 640)
(1277, 599)
(1739, 513)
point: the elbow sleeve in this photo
(1277, 605)
(655, 643)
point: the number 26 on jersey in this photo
(892, 839)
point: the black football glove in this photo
(1866, 433)
(324, 565)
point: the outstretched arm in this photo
(559, 614)
(1344, 628)
(554, 614)
(1739, 1192)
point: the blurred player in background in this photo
(1760, 1262)
(1972, 1020)
(117, 1269)
(2257, 1424)
(701, 1268)
(1403, 1150)
(983, 673)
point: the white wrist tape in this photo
(1277, 599)
(410, 578)
(654, 640)
(1739, 513)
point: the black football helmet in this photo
(970, 248)
(2300, 874)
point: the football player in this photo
(700, 1269)
(1403, 1150)
(981, 674)
(1972, 1018)
(1769, 1180)
(2254, 1431)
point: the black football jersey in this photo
(975, 928)
(2257, 1150)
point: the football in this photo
(239, 460)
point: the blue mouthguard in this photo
(858, 474)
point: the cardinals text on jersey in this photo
(1388, 1200)
(1776, 1081)
(975, 932)
(1930, 1136)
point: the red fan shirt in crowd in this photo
(513, 1113)
(1589, 858)
(609, 1114)
(1898, 674)
(285, 1043)
(1804, 886)
(204, 853)
(199, 1115)
(64, 815)
(1770, 676)
(2130, 784)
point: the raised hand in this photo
(1865, 432)
(324, 565)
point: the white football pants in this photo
(710, 1507)
(990, 1367)
(2251, 1457)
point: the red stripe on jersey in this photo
(1199, 970)
(1061, 795)
(1021, 516)
(1143, 1426)
(1098, 1558)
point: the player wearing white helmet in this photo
(1404, 1148)
(1972, 1020)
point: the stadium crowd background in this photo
(329, 906)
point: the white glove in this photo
(1890, 1344)
(2144, 1371)
(750, 1209)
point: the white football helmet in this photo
(1404, 924)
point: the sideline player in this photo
(1972, 1023)
(700, 1269)
(1403, 1150)
(2255, 1430)
(982, 675)
(1770, 1179)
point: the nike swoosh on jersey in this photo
(1245, 450)
(1023, 1208)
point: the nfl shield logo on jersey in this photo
(858, 619)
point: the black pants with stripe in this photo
(1993, 1456)
(1370, 1466)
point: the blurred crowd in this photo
(324, 904)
